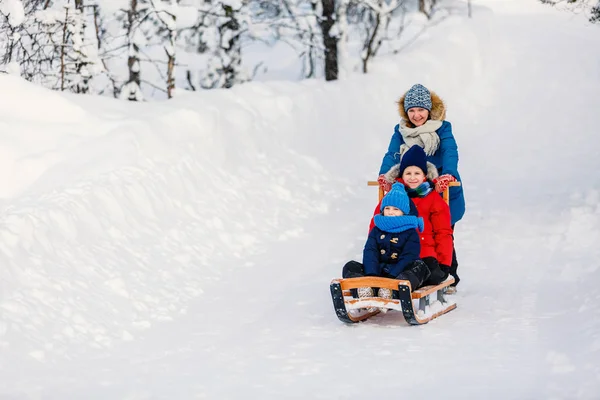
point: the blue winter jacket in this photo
(388, 254)
(445, 159)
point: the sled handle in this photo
(375, 183)
(445, 195)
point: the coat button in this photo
(382, 237)
(382, 251)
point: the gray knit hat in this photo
(417, 96)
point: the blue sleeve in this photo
(392, 157)
(448, 150)
(411, 251)
(371, 254)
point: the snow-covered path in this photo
(527, 324)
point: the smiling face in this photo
(418, 116)
(391, 211)
(413, 176)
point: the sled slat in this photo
(426, 290)
(374, 281)
(371, 281)
(373, 301)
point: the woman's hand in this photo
(383, 183)
(441, 182)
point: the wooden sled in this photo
(417, 307)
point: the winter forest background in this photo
(148, 49)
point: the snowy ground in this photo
(183, 249)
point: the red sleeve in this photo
(375, 212)
(442, 230)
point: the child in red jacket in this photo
(436, 237)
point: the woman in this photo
(423, 124)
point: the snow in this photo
(183, 249)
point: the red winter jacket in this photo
(436, 238)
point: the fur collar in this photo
(394, 172)
(438, 109)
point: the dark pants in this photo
(454, 265)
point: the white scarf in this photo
(424, 136)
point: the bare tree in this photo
(51, 46)
(590, 7)
(165, 19)
(377, 19)
(427, 6)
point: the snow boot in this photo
(416, 274)
(384, 293)
(450, 290)
(366, 292)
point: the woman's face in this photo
(413, 176)
(418, 116)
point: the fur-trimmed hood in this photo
(438, 109)
(394, 172)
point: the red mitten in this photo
(384, 184)
(441, 182)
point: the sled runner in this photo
(418, 307)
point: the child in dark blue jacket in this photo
(393, 246)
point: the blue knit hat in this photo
(415, 156)
(398, 198)
(417, 96)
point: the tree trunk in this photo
(423, 8)
(171, 64)
(370, 51)
(329, 42)
(81, 66)
(232, 47)
(133, 61)
(62, 51)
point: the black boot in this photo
(437, 274)
(453, 268)
(353, 269)
(416, 274)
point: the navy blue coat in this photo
(388, 254)
(445, 159)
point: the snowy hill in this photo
(183, 249)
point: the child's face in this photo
(418, 116)
(413, 176)
(390, 211)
